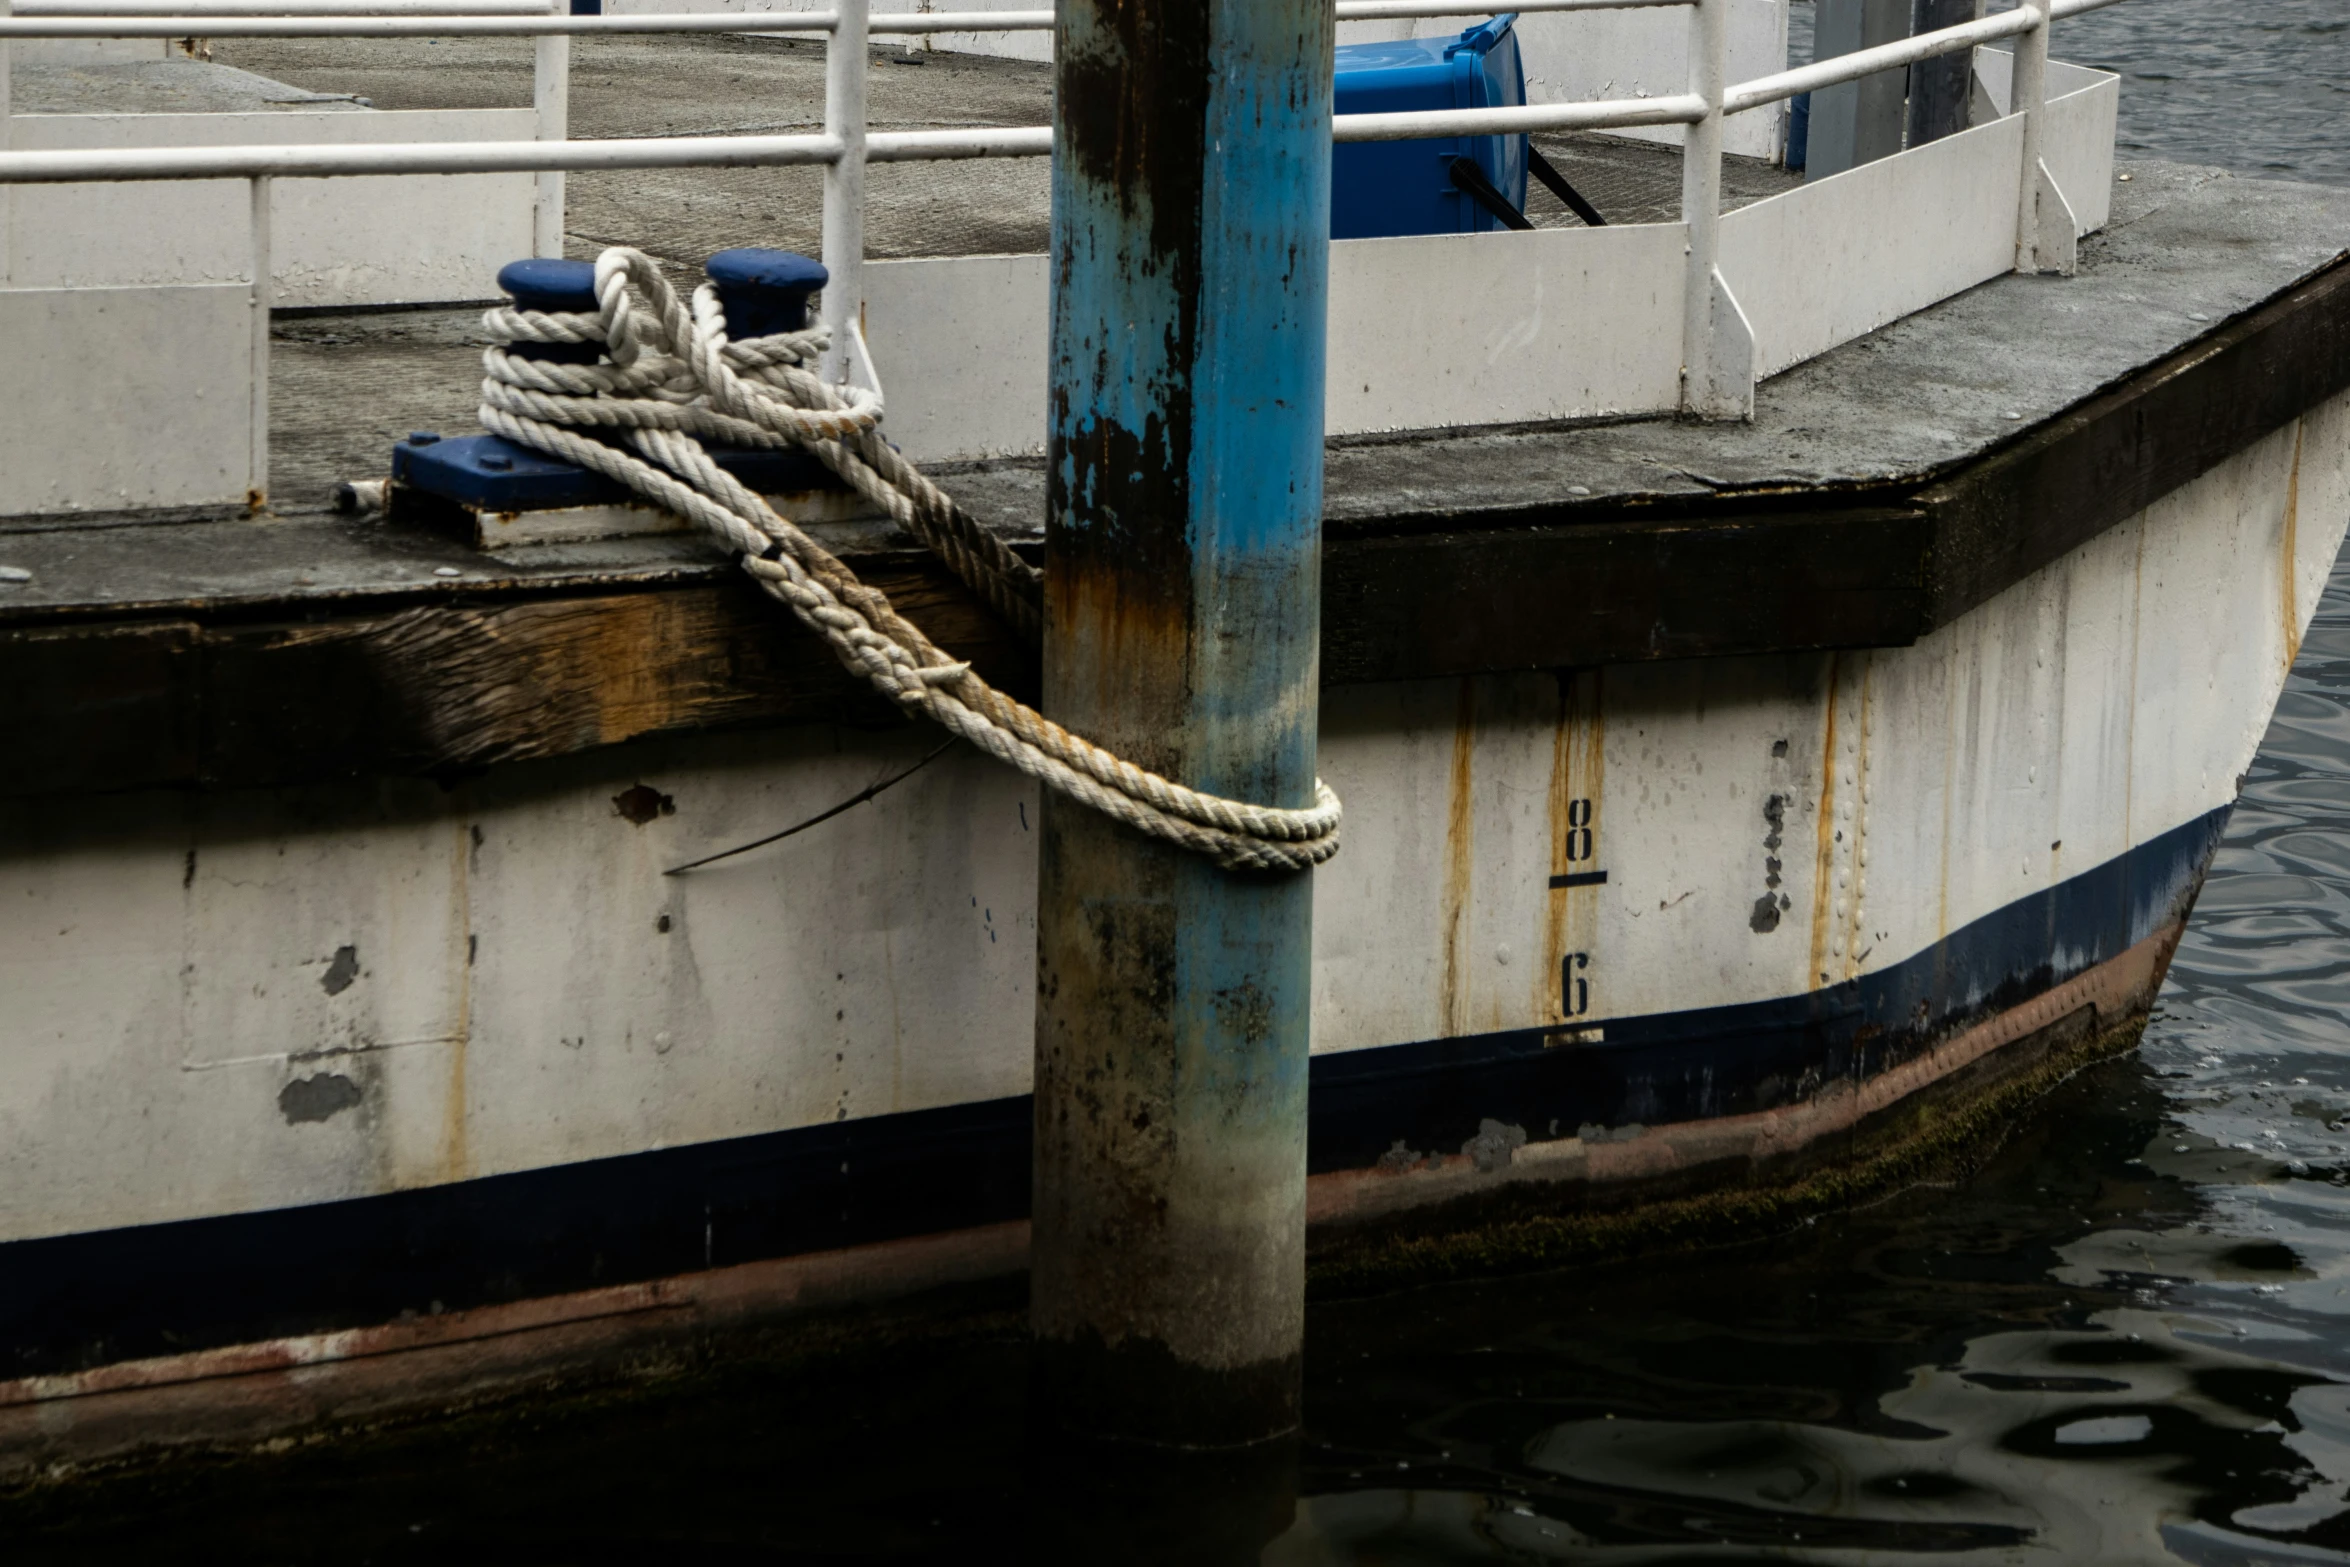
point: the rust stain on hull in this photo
(1823, 886)
(247, 1393)
(1855, 937)
(2290, 550)
(456, 1148)
(1460, 855)
(1578, 763)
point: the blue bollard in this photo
(763, 292)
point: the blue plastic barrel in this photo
(1379, 188)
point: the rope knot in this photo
(669, 378)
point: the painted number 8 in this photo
(1578, 830)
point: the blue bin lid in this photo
(1416, 63)
(1483, 37)
(765, 291)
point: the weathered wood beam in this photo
(437, 690)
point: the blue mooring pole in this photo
(1191, 220)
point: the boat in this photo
(1771, 751)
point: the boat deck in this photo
(1880, 490)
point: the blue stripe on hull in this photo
(1719, 1061)
(78, 1300)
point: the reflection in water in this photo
(2127, 1340)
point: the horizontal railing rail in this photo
(1842, 68)
(100, 166)
(329, 161)
(1601, 114)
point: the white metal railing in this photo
(527, 18)
(846, 146)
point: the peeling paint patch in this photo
(341, 970)
(642, 803)
(317, 1098)
(1773, 902)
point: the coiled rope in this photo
(670, 378)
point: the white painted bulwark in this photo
(1424, 331)
(960, 342)
(1472, 329)
(2077, 143)
(1498, 328)
(222, 1003)
(1907, 231)
(389, 240)
(134, 397)
(89, 51)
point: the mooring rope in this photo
(670, 378)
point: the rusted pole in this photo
(1191, 193)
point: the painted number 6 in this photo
(1574, 990)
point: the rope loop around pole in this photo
(670, 378)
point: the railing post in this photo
(1701, 211)
(551, 96)
(1190, 262)
(2028, 96)
(264, 292)
(844, 184)
(7, 192)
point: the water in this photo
(2125, 1340)
(2255, 85)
